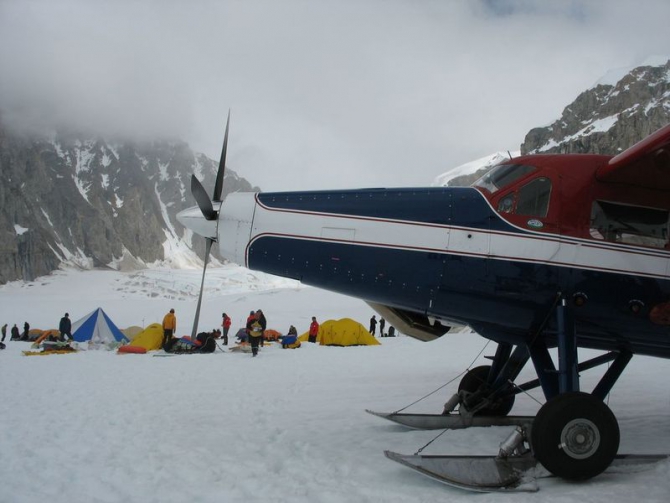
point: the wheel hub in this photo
(580, 438)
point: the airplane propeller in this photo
(208, 211)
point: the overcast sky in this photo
(324, 94)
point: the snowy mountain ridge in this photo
(622, 108)
(74, 200)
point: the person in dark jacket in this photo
(65, 327)
(382, 324)
(15, 333)
(26, 329)
(373, 324)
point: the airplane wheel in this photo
(472, 381)
(575, 436)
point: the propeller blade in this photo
(201, 197)
(208, 248)
(218, 186)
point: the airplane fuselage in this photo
(458, 255)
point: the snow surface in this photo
(20, 230)
(612, 77)
(288, 426)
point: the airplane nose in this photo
(192, 218)
(235, 223)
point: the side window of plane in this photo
(506, 204)
(533, 198)
(624, 223)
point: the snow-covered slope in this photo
(288, 426)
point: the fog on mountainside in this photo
(95, 202)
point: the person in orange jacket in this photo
(169, 326)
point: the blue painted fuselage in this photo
(469, 272)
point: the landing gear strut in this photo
(574, 435)
(477, 380)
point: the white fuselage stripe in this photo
(453, 240)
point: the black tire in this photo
(473, 380)
(575, 436)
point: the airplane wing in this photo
(645, 164)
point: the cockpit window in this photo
(624, 223)
(501, 176)
(530, 200)
(533, 199)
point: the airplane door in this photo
(464, 262)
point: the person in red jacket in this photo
(226, 326)
(313, 330)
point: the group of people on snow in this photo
(255, 327)
(64, 327)
(382, 325)
(15, 334)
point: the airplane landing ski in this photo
(495, 474)
(451, 421)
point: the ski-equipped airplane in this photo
(544, 253)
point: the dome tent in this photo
(150, 338)
(97, 329)
(343, 332)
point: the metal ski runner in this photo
(451, 421)
(495, 474)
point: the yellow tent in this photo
(150, 338)
(344, 332)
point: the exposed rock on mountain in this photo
(94, 202)
(608, 118)
(622, 109)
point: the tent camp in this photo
(344, 332)
(150, 338)
(97, 329)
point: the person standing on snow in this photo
(373, 324)
(4, 332)
(169, 326)
(264, 324)
(382, 324)
(65, 327)
(255, 330)
(313, 330)
(15, 333)
(226, 326)
(26, 329)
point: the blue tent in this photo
(97, 328)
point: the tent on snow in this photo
(344, 332)
(150, 338)
(131, 332)
(96, 328)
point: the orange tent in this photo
(46, 334)
(271, 335)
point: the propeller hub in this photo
(192, 218)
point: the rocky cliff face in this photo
(608, 118)
(96, 203)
